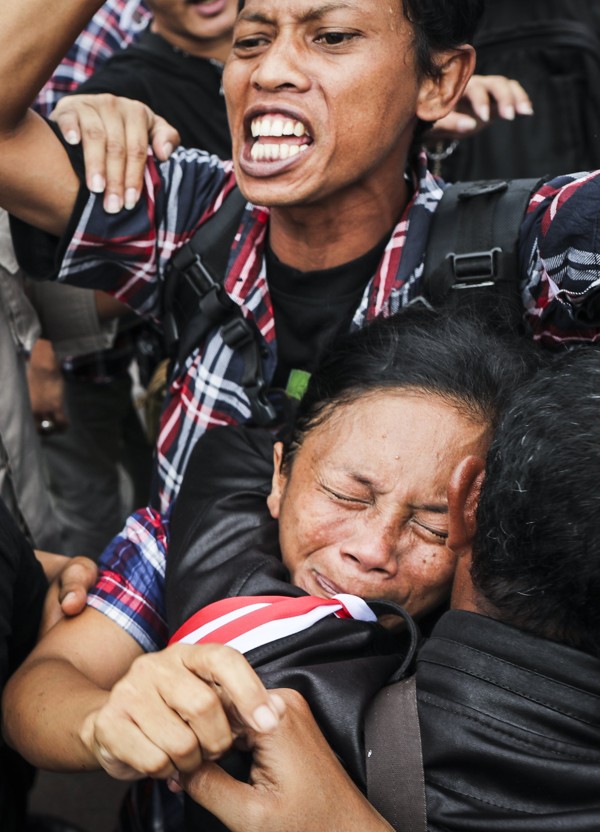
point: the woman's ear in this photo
(278, 482)
(439, 94)
(464, 488)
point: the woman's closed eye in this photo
(350, 499)
(437, 533)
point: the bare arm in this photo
(166, 711)
(37, 182)
(70, 580)
(296, 783)
(67, 676)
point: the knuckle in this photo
(158, 766)
(115, 148)
(137, 151)
(94, 133)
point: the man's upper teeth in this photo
(277, 126)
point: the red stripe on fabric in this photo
(279, 608)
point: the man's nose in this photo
(281, 66)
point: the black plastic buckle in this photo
(474, 269)
(198, 276)
(237, 333)
(263, 411)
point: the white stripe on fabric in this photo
(211, 626)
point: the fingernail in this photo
(524, 108)
(113, 204)
(131, 198)
(508, 112)
(98, 184)
(70, 596)
(168, 148)
(72, 137)
(466, 123)
(483, 112)
(264, 718)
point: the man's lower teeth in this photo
(275, 152)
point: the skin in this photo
(363, 509)
(316, 63)
(284, 773)
(69, 579)
(202, 29)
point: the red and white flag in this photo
(252, 621)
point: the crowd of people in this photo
(348, 487)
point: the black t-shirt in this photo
(312, 309)
(179, 87)
(22, 590)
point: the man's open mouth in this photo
(278, 137)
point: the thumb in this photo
(73, 584)
(163, 137)
(228, 799)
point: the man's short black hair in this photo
(536, 555)
(438, 25)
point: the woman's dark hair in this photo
(453, 356)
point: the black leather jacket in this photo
(223, 544)
(510, 725)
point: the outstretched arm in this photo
(37, 182)
(166, 712)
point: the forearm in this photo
(44, 708)
(34, 36)
(51, 564)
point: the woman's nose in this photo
(373, 548)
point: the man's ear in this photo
(439, 94)
(464, 488)
(278, 482)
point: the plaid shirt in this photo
(113, 27)
(126, 254)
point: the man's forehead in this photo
(316, 7)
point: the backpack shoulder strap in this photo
(196, 302)
(395, 777)
(472, 250)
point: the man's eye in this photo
(335, 38)
(249, 43)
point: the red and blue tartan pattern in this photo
(127, 253)
(117, 24)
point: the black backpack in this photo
(471, 258)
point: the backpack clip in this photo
(475, 269)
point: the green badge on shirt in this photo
(297, 384)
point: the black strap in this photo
(472, 250)
(195, 302)
(395, 777)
